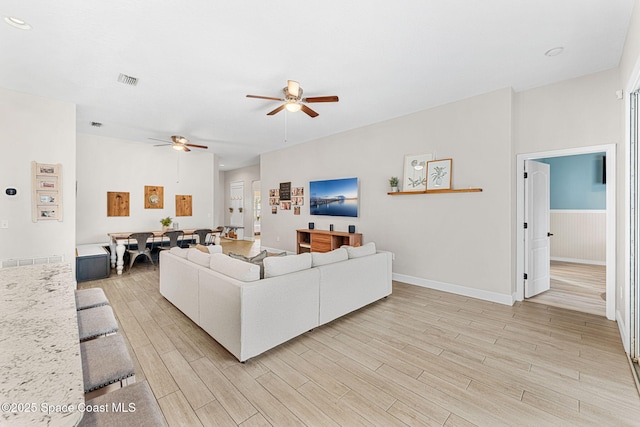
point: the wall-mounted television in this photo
(334, 197)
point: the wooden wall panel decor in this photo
(183, 205)
(117, 203)
(153, 197)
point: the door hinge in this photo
(526, 225)
(525, 276)
(526, 175)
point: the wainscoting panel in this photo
(579, 236)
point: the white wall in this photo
(43, 130)
(459, 242)
(580, 112)
(579, 236)
(247, 175)
(107, 164)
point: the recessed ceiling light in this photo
(554, 51)
(17, 23)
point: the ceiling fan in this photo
(179, 143)
(293, 100)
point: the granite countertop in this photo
(40, 365)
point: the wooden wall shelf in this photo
(462, 190)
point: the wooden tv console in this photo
(324, 240)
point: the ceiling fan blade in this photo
(161, 140)
(293, 88)
(162, 145)
(332, 98)
(309, 111)
(185, 148)
(197, 146)
(277, 110)
(265, 97)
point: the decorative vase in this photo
(394, 189)
(165, 228)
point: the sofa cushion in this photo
(257, 259)
(279, 265)
(214, 249)
(182, 253)
(239, 270)
(196, 256)
(360, 251)
(323, 258)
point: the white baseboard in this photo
(578, 261)
(623, 332)
(456, 289)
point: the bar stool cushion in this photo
(96, 321)
(147, 412)
(105, 361)
(89, 298)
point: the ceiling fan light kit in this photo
(293, 100)
(179, 143)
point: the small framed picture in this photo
(439, 174)
(47, 212)
(274, 209)
(44, 169)
(296, 210)
(47, 184)
(47, 198)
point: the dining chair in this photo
(173, 237)
(140, 241)
(205, 236)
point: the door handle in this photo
(549, 234)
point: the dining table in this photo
(118, 241)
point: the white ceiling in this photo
(197, 59)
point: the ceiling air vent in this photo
(127, 80)
(96, 124)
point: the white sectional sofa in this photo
(248, 315)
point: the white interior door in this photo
(537, 207)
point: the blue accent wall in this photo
(576, 182)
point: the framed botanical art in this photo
(415, 172)
(439, 174)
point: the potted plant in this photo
(393, 181)
(166, 222)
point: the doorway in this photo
(609, 151)
(257, 209)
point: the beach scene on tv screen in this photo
(334, 197)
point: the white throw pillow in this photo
(235, 268)
(279, 265)
(323, 258)
(197, 256)
(214, 249)
(182, 253)
(360, 251)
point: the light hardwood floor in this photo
(418, 357)
(580, 287)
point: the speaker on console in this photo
(352, 229)
(311, 225)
